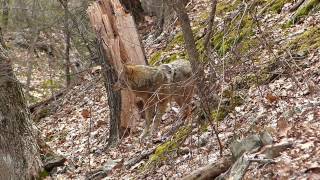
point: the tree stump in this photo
(117, 32)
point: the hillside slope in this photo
(270, 83)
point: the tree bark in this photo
(5, 13)
(19, 153)
(67, 42)
(197, 68)
(119, 39)
(114, 97)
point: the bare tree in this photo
(117, 46)
(67, 35)
(5, 13)
(114, 97)
(19, 153)
(198, 69)
(35, 37)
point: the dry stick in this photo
(210, 25)
(75, 22)
(296, 6)
(208, 46)
(266, 7)
(89, 150)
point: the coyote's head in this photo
(122, 82)
(136, 77)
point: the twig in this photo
(296, 5)
(210, 25)
(89, 133)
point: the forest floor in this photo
(288, 107)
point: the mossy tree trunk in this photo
(19, 153)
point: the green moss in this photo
(227, 6)
(249, 80)
(44, 112)
(42, 175)
(303, 11)
(165, 149)
(176, 56)
(305, 42)
(155, 57)
(177, 40)
(277, 6)
(224, 41)
(219, 115)
(48, 84)
(204, 15)
(231, 100)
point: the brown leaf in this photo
(283, 127)
(85, 113)
(271, 98)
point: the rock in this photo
(20, 40)
(105, 170)
(183, 150)
(53, 161)
(273, 151)
(112, 164)
(203, 139)
(266, 138)
(99, 174)
(248, 144)
(237, 170)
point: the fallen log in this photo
(34, 107)
(211, 171)
(140, 157)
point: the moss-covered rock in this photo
(305, 42)
(248, 80)
(227, 6)
(235, 34)
(276, 6)
(41, 113)
(166, 149)
(42, 175)
(303, 11)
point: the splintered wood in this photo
(117, 30)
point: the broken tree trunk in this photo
(118, 36)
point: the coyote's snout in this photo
(157, 86)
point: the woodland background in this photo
(256, 114)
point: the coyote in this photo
(157, 86)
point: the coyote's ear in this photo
(127, 69)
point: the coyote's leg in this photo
(150, 113)
(161, 108)
(183, 102)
